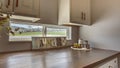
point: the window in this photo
(55, 31)
(25, 32)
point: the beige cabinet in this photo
(21, 7)
(7, 5)
(111, 64)
(46, 10)
(49, 11)
(74, 12)
(27, 7)
(80, 11)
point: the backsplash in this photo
(48, 42)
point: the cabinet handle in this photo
(16, 3)
(8, 4)
(84, 16)
(110, 67)
(115, 61)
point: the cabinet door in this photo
(27, 7)
(111, 64)
(49, 11)
(7, 5)
(104, 66)
(80, 11)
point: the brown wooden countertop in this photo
(96, 57)
(59, 58)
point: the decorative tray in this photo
(85, 49)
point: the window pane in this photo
(24, 31)
(59, 31)
(56, 32)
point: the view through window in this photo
(56, 32)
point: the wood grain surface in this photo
(60, 58)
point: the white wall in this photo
(63, 11)
(105, 29)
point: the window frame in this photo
(44, 30)
(61, 27)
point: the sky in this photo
(25, 25)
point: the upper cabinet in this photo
(7, 5)
(74, 12)
(21, 7)
(49, 11)
(46, 10)
(28, 8)
(80, 11)
(63, 12)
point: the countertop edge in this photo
(103, 60)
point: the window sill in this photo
(24, 41)
(10, 40)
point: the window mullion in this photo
(44, 31)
